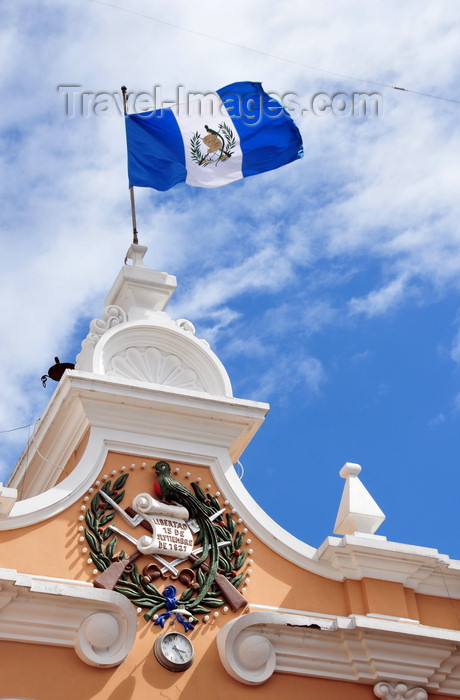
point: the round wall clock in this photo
(174, 651)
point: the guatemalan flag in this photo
(212, 141)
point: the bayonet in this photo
(134, 520)
(214, 516)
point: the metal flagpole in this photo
(133, 215)
(131, 189)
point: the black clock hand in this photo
(179, 651)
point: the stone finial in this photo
(400, 691)
(358, 512)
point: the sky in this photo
(328, 288)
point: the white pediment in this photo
(136, 339)
(161, 354)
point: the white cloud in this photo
(381, 300)
(437, 420)
(264, 270)
(216, 322)
(286, 374)
(313, 373)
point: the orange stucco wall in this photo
(58, 673)
(55, 548)
(44, 673)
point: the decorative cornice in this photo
(165, 423)
(423, 569)
(100, 625)
(358, 648)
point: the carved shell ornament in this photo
(162, 555)
(148, 364)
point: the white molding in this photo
(423, 569)
(163, 423)
(100, 625)
(357, 648)
(83, 400)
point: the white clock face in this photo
(176, 648)
(175, 651)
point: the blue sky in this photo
(329, 288)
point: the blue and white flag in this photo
(212, 141)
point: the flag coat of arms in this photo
(224, 136)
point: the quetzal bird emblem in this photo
(169, 489)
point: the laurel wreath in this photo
(103, 543)
(230, 141)
(195, 150)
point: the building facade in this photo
(136, 565)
